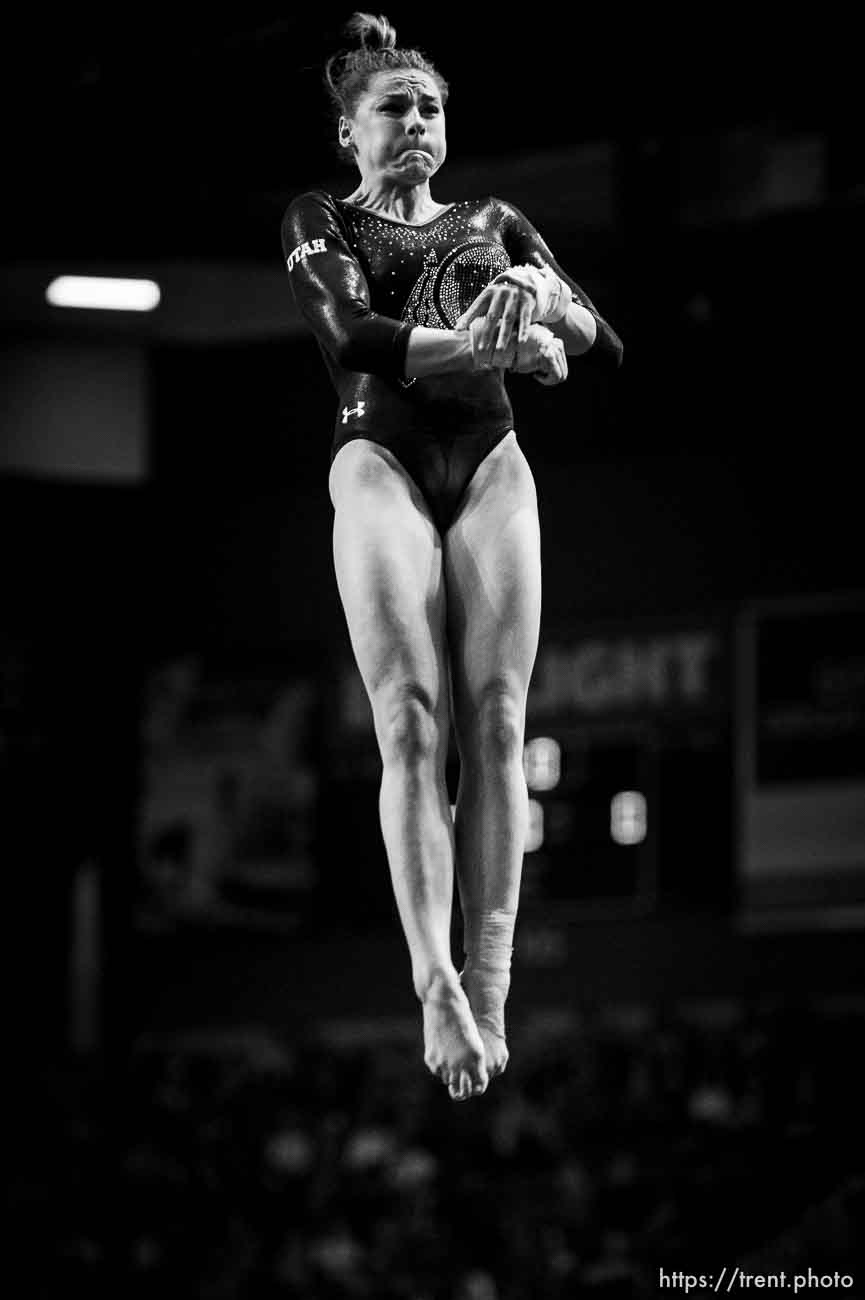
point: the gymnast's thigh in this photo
(388, 561)
(493, 576)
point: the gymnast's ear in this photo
(344, 129)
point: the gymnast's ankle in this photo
(435, 981)
(488, 937)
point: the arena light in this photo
(103, 293)
(628, 817)
(542, 763)
(535, 833)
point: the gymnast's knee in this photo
(408, 730)
(499, 722)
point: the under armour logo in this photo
(355, 410)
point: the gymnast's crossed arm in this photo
(534, 286)
(332, 293)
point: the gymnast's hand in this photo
(510, 303)
(503, 314)
(541, 354)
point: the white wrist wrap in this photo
(552, 296)
(559, 300)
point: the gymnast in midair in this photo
(420, 308)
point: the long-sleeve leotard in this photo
(362, 282)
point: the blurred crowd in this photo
(620, 1141)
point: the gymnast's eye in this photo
(399, 106)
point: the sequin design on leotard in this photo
(448, 286)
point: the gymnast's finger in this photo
(506, 324)
(527, 306)
(488, 334)
(476, 332)
(503, 315)
(477, 308)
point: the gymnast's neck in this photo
(412, 204)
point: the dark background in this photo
(683, 1091)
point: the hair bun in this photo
(371, 31)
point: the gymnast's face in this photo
(398, 128)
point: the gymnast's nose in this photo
(415, 127)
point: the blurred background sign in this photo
(229, 794)
(643, 669)
(668, 670)
(801, 759)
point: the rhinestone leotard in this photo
(363, 281)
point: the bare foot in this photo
(487, 1002)
(453, 1047)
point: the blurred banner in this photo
(663, 670)
(229, 795)
(801, 761)
(675, 672)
